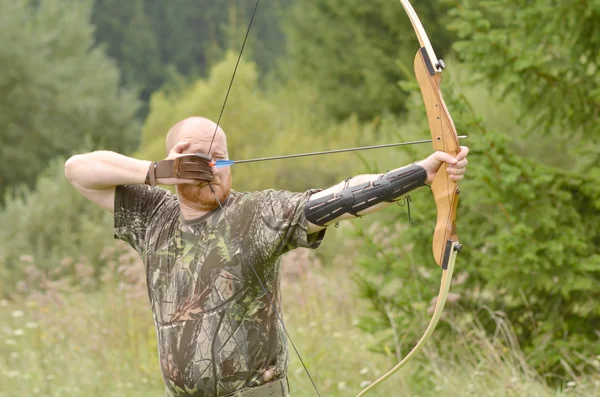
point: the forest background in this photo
(522, 82)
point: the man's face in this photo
(202, 197)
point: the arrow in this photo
(228, 163)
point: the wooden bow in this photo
(428, 70)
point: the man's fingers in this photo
(196, 168)
(180, 147)
(184, 181)
(455, 171)
(444, 157)
(459, 161)
(460, 164)
(455, 166)
(181, 181)
(463, 153)
(196, 175)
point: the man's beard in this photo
(205, 197)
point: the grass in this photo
(104, 344)
(90, 345)
(322, 313)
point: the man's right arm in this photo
(97, 174)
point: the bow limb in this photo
(445, 191)
(435, 318)
(428, 70)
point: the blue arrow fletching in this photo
(224, 163)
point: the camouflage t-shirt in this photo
(217, 330)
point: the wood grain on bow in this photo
(428, 71)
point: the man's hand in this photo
(177, 150)
(456, 166)
(204, 171)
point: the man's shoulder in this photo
(270, 193)
(144, 190)
(237, 197)
(258, 198)
(144, 200)
(268, 200)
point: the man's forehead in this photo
(199, 131)
(201, 141)
(200, 128)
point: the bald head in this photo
(198, 134)
(197, 130)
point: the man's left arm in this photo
(375, 191)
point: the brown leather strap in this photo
(192, 166)
(150, 176)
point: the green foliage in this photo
(544, 58)
(48, 224)
(141, 64)
(526, 214)
(544, 54)
(531, 252)
(350, 50)
(154, 40)
(544, 259)
(56, 90)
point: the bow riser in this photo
(444, 138)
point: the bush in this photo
(46, 225)
(531, 253)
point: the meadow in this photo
(63, 341)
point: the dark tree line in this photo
(158, 42)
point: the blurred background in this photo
(522, 81)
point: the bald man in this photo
(211, 254)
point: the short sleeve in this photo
(135, 208)
(282, 216)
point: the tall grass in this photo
(64, 341)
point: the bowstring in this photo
(270, 299)
(272, 303)
(233, 76)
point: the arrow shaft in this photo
(355, 149)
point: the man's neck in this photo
(189, 212)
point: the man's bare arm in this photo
(456, 169)
(97, 174)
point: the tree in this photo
(351, 49)
(56, 89)
(141, 62)
(544, 55)
(158, 42)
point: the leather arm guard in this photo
(191, 166)
(388, 187)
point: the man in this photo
(212, 254)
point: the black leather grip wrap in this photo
(389, 187)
